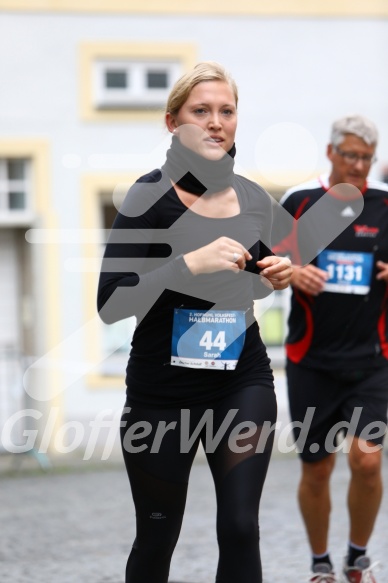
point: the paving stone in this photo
(78, 526)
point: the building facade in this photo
(81, 117)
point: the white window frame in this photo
(137, 94)
(23, 215)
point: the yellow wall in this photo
(281, 8)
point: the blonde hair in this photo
(205, 71)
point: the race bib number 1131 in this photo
(349, 272)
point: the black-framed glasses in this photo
(353, 158)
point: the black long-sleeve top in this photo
(143, 275)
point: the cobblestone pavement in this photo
(77, 526)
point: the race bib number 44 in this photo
(349, 273)
(211, 339)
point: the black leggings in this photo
(158, 458)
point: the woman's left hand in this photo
(277, 270)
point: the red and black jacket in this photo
(339, 330)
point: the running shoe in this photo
(361, 572)
(322, 573)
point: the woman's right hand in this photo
(220, 255)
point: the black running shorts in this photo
(326, 403)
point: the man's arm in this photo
(309, 279)
(383, 273)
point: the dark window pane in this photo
(16, 169)
(157, 79)
(115, 79)
(16, 200)
(109, 212)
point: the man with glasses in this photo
(337, 346)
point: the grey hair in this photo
(357, 125)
